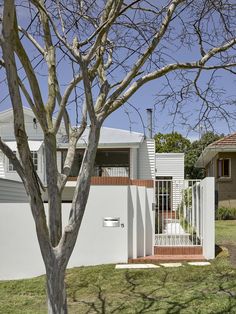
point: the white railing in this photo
(100, 171)
(178, 213)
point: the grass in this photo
(225, 232)
(102, 289)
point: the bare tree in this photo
(110, 49)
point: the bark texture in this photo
(56, 289)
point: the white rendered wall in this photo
(132, 221)
(150, 221)
(97, 244)
(207, 188)
(141, 220)
(133, 163)
(20, 254)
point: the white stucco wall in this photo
(97, 244)
(20, 254)
(134, 163)
(141, 221)
(207, 190)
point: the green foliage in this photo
(186, 201)
(195, 151)
(171, 143)
(225, 213)
(176, 143)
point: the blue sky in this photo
(147, 97)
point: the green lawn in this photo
(102, 289)
(226, 232)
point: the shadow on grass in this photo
(218, 250)
(227, 250)
(166, 296)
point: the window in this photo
(34, 156)
(11, 167)
(223, 168)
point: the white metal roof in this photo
(112, 137)
(33, 145)
(108, 136)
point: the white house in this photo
(119, 221)
(120, 153)
(119, 218)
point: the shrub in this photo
(225, 213)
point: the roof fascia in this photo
(210, 152)
(102, 145)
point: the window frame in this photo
(35, 159)
(222, 175)
(11, 164)
(34, 156)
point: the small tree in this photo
(109, 49)
(176, 143)
(195, 151)
(171, 143)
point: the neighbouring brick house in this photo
(219, 161)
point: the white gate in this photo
(178, 213)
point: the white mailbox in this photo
(111, 222)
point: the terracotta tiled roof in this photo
(229, 140)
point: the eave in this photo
(210, 152)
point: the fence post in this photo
(208, 217)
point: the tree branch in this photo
(33, 189)
(140, 62)
(32, 40)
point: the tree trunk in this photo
(56, 291)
